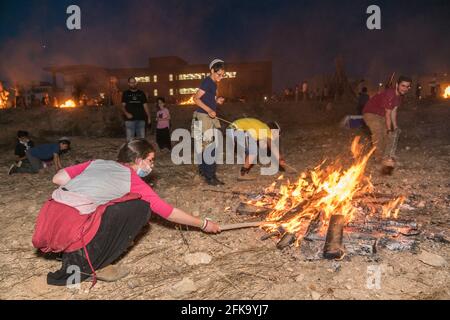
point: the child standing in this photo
(163, 125)
(204, 119)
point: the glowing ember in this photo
(322, 192)
(447, 93)
(68, 104)
(187, 102)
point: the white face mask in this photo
(143, 172)
(144, 169)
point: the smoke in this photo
(301, 38)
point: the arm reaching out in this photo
(181, 217)
(394, 118)
(388, 119)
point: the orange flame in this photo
(393, 208)
(68, 104)
(323, 191)
(187, 102)
(447, 92)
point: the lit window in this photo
(155, 78)
(171, 92)
(199, 76)
(230, 74)
(188, 90)
(155, 92)
(143, 79)
(192, 76)
(170, 77)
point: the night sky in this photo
(302, 38)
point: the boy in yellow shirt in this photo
(255, 130)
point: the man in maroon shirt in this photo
(380, 114)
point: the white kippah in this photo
(214, 62)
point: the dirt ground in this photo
(243, 266)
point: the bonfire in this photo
(68, 104)
(447, 92)
(187, 102)
(323, 202)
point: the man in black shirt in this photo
(136, 110)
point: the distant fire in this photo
(68, 104)
(447, 92)
(187, 102)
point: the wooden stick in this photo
(226, 121)
(241, 225)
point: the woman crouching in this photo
(98, 210)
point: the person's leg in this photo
(129, 129)
(166, 138)
(208, 168)
(196, 133)
(159, 139)
(34, 167)
(377, 129)
(140, 129)
(120, 225)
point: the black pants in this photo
(120, 224)
(163, 138)
(33, 166)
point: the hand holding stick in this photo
(241, 225)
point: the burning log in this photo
(248, 209)
(286, 240)
(333, 243)
(314, 225)
(280, 230)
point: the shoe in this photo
(244, 175)
(211, 182)
(218, 181)
(112, 273)
(19, 163)
(12, 169)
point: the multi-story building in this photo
(170, 77)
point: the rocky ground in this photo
(173, 262)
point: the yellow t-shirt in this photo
(255, 128)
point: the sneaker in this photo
(12, 169)
(19, 163)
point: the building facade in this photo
(170, 77)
